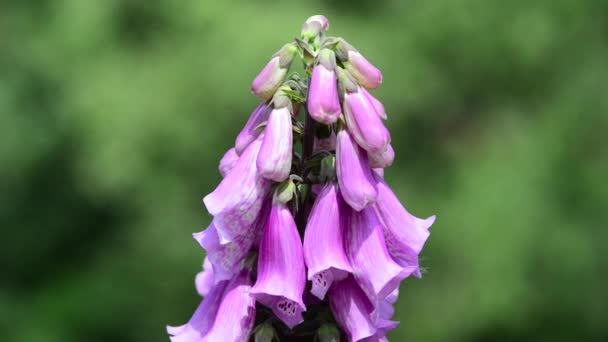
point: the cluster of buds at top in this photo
(315, 235)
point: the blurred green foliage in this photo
(114, 115)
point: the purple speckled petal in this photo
(228, 161)
(374, 269)
(249, 133)
(281, 272)
(352, 310)
(323, 242)
(357, 184)
(382, 159)
(323, 102)
(274, 159)
(364, 123)
(205, 280)
(378, 106)
(364, 72)
(404, 233)
(227, 313)
(237, 201)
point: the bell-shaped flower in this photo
(205, 280)
(281, 272)
(404, 233)
(272, 76)
(352, 310)
(364, 123)
(373, 268)
(227, 313)
(249, 132)
(324, 252)
(274, 159)
(362, 70)
(382, 159)
(314, 25)
(226, 259)
(357, 184)
(236, 202)
(228, 161)
(323, 101)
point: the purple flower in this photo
(281, 274)
(352, 310)
(379, 172)
(274, 159)
(323, 242)
(228, 161)
(227, 313)
(404, 233)
(378, 106)
(364, 123)
(226, 258)
(374, 269)
(204, 280)
(249, 132)
(323, 101)
(272, 76)
(236, 202)
(362, 70)
(382, 159)
(357, 183)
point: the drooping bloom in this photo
(373, 268)
(382, 159)
(323, 101)
(227, 313)
(249, 132)
(378, 106)
(204, 280)
(237, 201)
(323, 241)
(281, 273)
(364, 123)
(362, 70)
(352, 310)
(357, 184)
(274, 159)
(404, 233)
(225, 258)
(228, 161)
(272, 76)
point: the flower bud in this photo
(364, 123)
(314, 25)
(274, 160)
(357, 183)
(362, 70)
(272, 76)
(323, 100)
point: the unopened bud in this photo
(272, 76)
(362, 70)
(314, 25)
(285, 191)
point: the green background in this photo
(114, 115)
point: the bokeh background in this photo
(114, 115)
